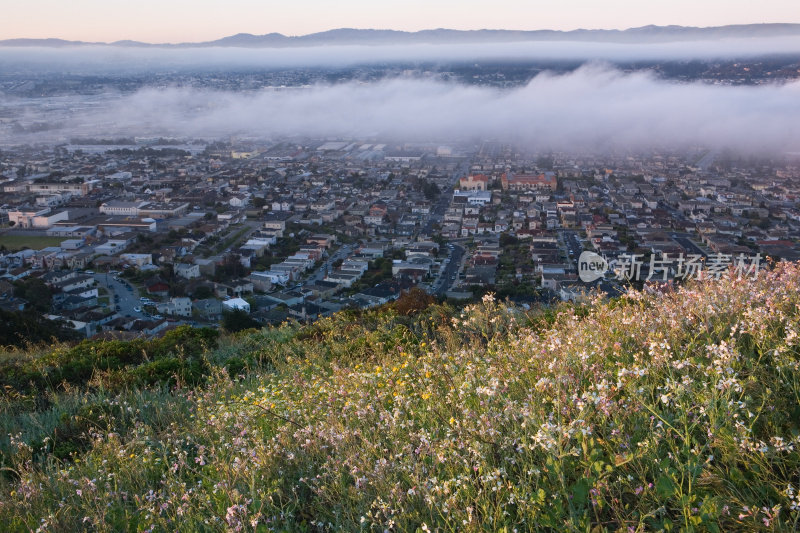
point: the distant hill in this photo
(346, 36)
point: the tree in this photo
(18, 328)
(231, 267)
(508, 240)
(431, 190)
(238, 320)
(202, 292)
(36, 292)
(413, 301)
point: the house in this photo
(57, 276)
(261, 281)
(342, 278)
(276, 224)
(149, 328)
(378, 295)
(116, 244)
(476, 182)
(422, 265)
(574, 292)
(119, 323)
(180, 306)
(73, 283)
(235, 288)
(236, 304)
(322, 239)
(287, 298)
(277, 275)
(46, 257)
(186, 271)
(238, 200)
(137, 260)
(258, 245)
(72, 303)
(321, 289)
(209, 309)
(158, 288)
(83, 328)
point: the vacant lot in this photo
(18, 242)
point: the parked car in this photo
(137, 309)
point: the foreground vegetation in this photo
(665, 412)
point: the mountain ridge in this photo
(350, 36)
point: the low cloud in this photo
(595, 106)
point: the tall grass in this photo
(665, 412)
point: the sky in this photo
(170, 21)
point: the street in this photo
(327, 265)
(687, 243)
(445, 281)
(438, 209)
(128, 299)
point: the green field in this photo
(18, 242)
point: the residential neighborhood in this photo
(135, 239)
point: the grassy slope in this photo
(649, 412)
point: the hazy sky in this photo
(200, 20)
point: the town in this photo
(130, 237)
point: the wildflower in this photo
(780, 445)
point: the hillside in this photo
(666, 412)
